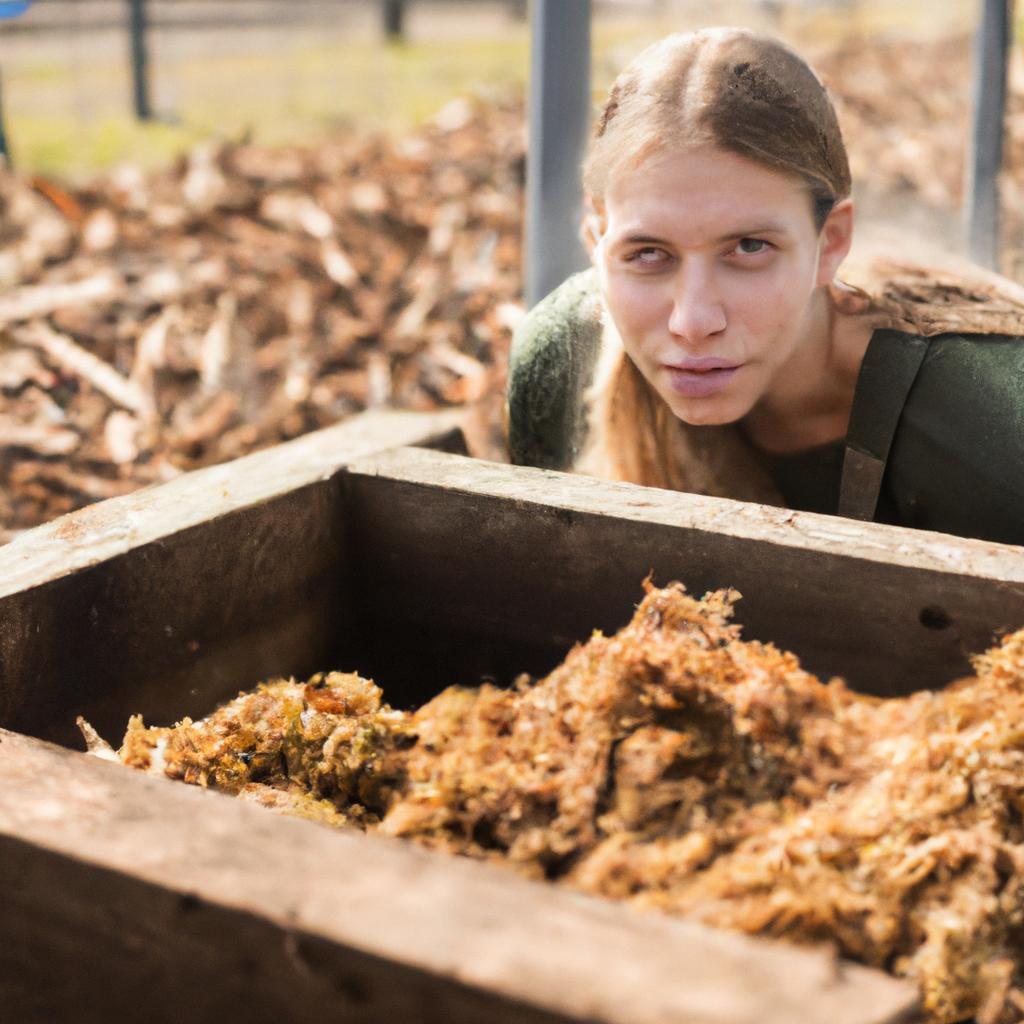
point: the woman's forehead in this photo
(717, 189)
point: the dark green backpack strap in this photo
(887, 374)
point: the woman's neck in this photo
(809, 404)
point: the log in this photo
(535, 560)
(129, 896)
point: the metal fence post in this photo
(394, 20)
(985, 159)
(5, 156)
(559, 115)
(140, 59)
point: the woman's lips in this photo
(699, 378)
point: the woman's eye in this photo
(750, 246)
(648, 257)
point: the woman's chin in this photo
(707, 412)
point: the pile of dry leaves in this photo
(150, 324)
(905, 111)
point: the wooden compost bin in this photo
(126, 895)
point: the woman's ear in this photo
(592, 225)
(835, 240)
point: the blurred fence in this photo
(210, 67)
(287, 65)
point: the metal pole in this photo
(559, 114)
(5, 156)
(991, 51)
(394, 20)
(140, 59)
(8, 9)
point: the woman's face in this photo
(709, 266)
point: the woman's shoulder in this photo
(967, 326)
(970, 390)
(945, 369)
(957, 339)
(974, 382)
(551, 363)
(956, 458)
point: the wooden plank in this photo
(170, 599)
(113, 527)
(128, 894)
(534, 560)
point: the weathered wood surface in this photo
(425, 569)
(118, 525)
(182, 594)
(127, 897)
(511, 560)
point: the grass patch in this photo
(74, 117)
(61, 147)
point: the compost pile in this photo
(150, 324)
(680, 767)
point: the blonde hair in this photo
(747, 94)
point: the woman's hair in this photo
(744, 93)
(736, 90)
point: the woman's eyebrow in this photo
(641, 240)
(753, 232)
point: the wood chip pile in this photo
(904, 114)
(153, 324)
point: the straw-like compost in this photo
(680, 767)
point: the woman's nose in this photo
(697, 310)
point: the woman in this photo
(712, 349)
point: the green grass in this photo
(77, 120)
(72, 118)
(56, 145)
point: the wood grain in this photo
(170, 599)
(125, 894)
(513, 565)
(113, 527)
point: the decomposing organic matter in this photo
(680, 767)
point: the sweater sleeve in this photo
(551, 363)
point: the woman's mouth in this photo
(700, 377)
